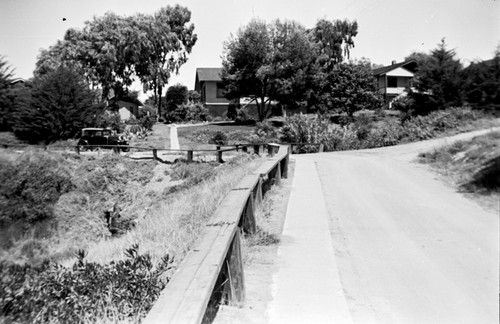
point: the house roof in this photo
(208, 74)
(134, 101)
(410, 65)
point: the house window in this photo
(392, 82)
(221, 90)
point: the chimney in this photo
(393, 62)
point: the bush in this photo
(219, 138)
(30, 187)
(301, 128)
(403, 103)
(87, 292)
(265, 130)
(112, 121)
(187, 112)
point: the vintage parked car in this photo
(93, 138)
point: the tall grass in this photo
(473, 165)
(175, 222)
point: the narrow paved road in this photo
(406, 247)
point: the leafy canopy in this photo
(282, 62)
(55, 106)
(115, 49)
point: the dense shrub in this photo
(30, 187)
(87, 292)
(111, 120)
(403, 103)
(219, 138)
(188, 112)
(265, 130)
(364, 133)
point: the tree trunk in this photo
(262, 109)
(159, 102)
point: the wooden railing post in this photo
(270, 150)
(77, 149)
(219, 155)
(321, 148)
(236, 284)
(258, 192)
(277, 174)
(284, 167)
(190, 156)
(249, 224)
(155, 154)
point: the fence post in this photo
(321, 148)
(258, 192)
(284, 167)
(270, 150)
(277, 174)
(249, 225)
(116, 150)
(77, 149)
(155, 154)
(219, 155)
(190, 156)
(256, 149)
(236, 282)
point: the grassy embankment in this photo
(55, 203)
(473, 167)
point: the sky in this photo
(388, 29)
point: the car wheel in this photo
(125, 149)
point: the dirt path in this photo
(407, 248)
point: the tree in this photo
(194, 96)
(6, 100)
(481, 82)
(334, 40)
(166, 39)
(268, 62)
(438, 78)
(55, 106)
(115, 49)
(349, 88)
(292, 63)
(176, 95)
(243, 64)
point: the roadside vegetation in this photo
(473, 167)
(97, 233)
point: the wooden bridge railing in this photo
(215, 260)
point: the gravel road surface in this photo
(408, 248)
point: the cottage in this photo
(395, 79)
(127, 108)
(209, 84)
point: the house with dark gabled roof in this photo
(395, 79)
(209, 84)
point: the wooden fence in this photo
(189, 154)
(215, 260)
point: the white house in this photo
(395, 79)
